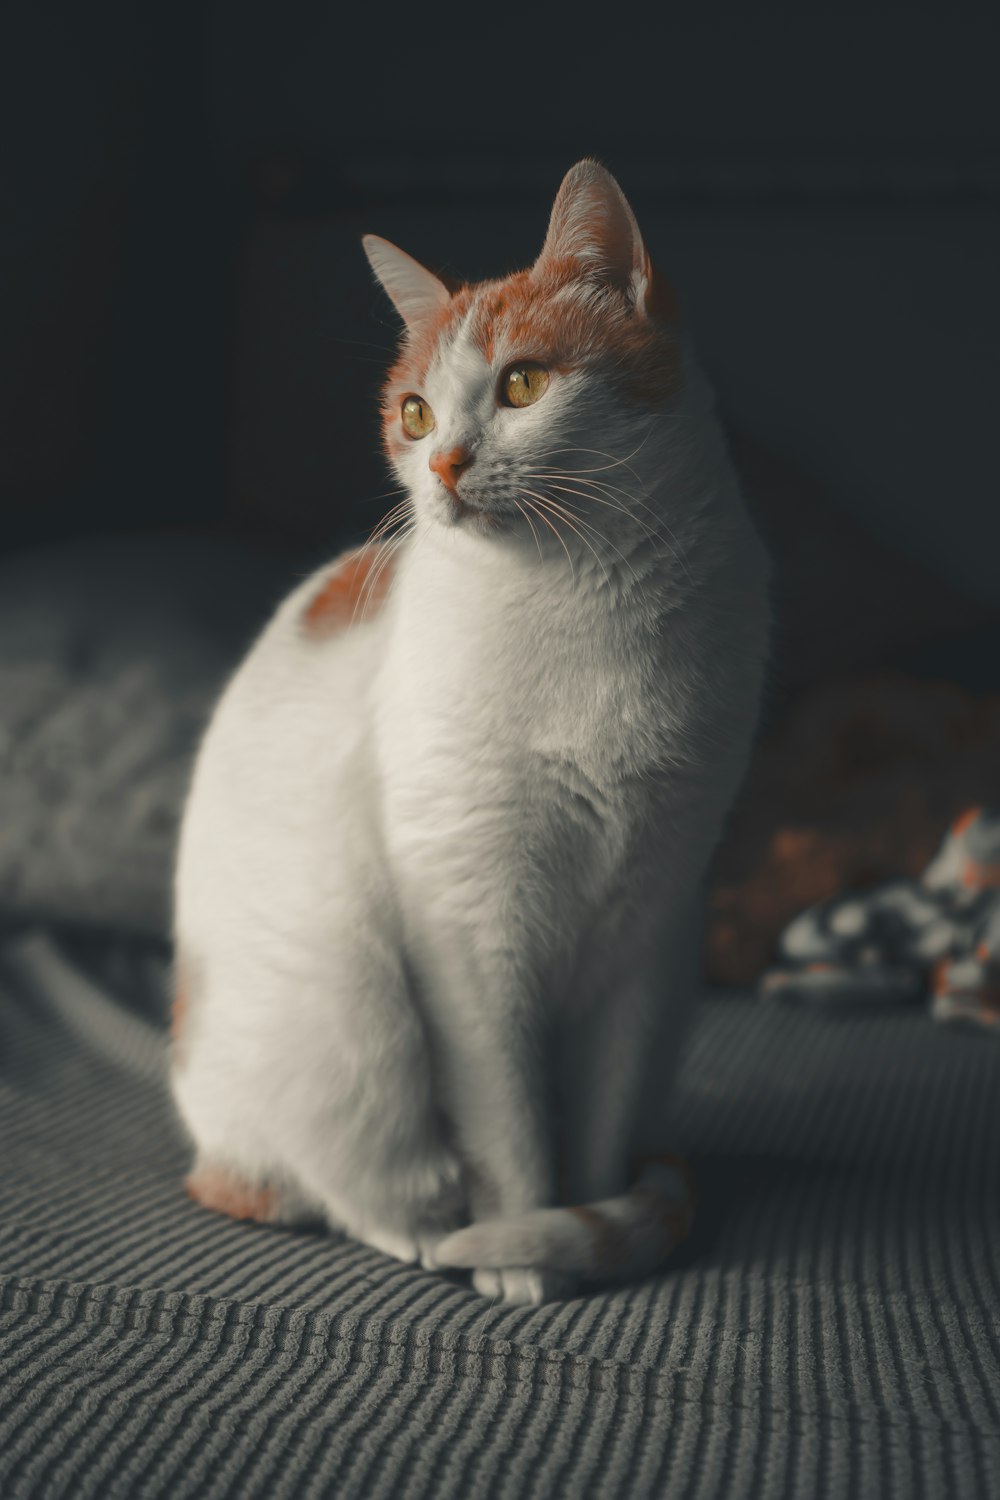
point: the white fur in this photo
(440, 877)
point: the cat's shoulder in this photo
(337, 603)
(341, 595)
(348, 592)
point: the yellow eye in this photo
(524, 384)
(418, 419)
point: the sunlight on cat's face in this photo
(525, 405)
(522, 385)
(503, 443)
(477, 462)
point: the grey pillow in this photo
(112, 652)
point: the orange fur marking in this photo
(214, 1188)
(535, 315)
(179, 1010)
(605, 1237)
(673, 1219)
(559, 315)
(350, 594)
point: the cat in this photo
(442, 864)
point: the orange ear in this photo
(415, 292)
(592, 222)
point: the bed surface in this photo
(832, 1329)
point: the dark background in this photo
(191, 336)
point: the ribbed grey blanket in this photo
(833, 1329)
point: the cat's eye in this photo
(417, 417)
(523, 384)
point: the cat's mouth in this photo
(463, 508)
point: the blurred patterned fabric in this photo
(934, 938)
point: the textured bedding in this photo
(832, 1329)
(111, 654)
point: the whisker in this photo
(599, 499)
(396, 490)
(582, 476)
(382, 557)
(389, 521)
(401, 515)
(601, 536)
(557, 510)
(557, 534)
(614, 462)
(667, 530)
(534, 533)
(605, 541)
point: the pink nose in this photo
(449, 466)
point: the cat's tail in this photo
(615, 1238)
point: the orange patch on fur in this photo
(673, 1219)
(353, 592)
(181, 1003)
(567, 320)
(605, 1237)
(178, 1012)
(419, 347)
(219, 1190)
(562, 317)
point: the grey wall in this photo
(187, 316)
(824, 187)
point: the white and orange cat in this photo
(441, 872)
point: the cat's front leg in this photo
(489, 1052)
(625, 1022)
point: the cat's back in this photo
(284, 756)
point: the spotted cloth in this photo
(908, 941)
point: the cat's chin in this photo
(455, 511)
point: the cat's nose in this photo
(450, 465)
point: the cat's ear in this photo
(592, 223)
(415, 292)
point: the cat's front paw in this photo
(416, 1245)
(524, 1286)
(395, 1243)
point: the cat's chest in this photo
(510, 719)
(513, 681)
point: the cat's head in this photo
(527, 398)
